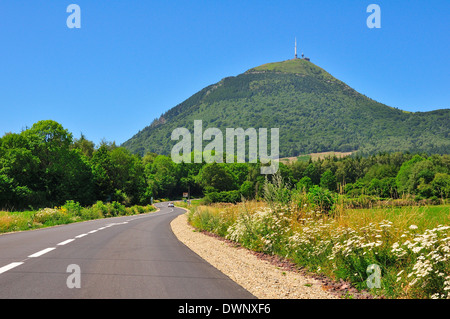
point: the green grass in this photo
(298, 66)
(424, 217)
(303, 158)
(410, 244)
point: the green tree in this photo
(84, 145)
(328, 180)
(216, 177)
(304, 184)
(247, 190)
(441, 185)
(102, 168)
(405, 183)
(313, 172)
(62, 173)
(128, 176)
(163, 172)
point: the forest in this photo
(45, 166)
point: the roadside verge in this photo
(261, 278)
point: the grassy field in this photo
(424, 217)
(411, 245)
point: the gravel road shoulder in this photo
(260, 277)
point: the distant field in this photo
(314, 156)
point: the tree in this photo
(61, 173)
(304, 184)
(328, 180)
(128, 175)
(441, 185)
(405, 184)
(312, 171)
(85, 146)
(216, 177)
(163, 172)
(102, 169)
(247, 190)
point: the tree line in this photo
(45, 166)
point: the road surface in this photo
(123, 257)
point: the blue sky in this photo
(133, 60)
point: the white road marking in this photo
(46, 250)
(42, 252)
(66, 242)
(10, 266)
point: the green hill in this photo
(314, 111)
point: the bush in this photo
(51, 216)
(304, 184)
(116, 209)
(321, 199)
(247, 190)
(72, 207)
(89, 213)
(223, 197)
(100, 209)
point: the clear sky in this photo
(132, 60)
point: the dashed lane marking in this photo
(41, 252)
(10, 266)
(66, 242)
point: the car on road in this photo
(170, 205)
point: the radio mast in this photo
(295, 48)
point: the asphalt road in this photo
(123, 257)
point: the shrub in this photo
(233, 196)
(100, 209)
(247, 190)
(72, 207)
(116, 209)
(321, 199)
(89, 213)
(304, 184)
(51, 216)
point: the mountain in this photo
(314, 111)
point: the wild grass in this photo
(411, 245)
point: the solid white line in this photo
(40, 253)
(93, 231)
(82, 235)
(66, 242)
(9, 267)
